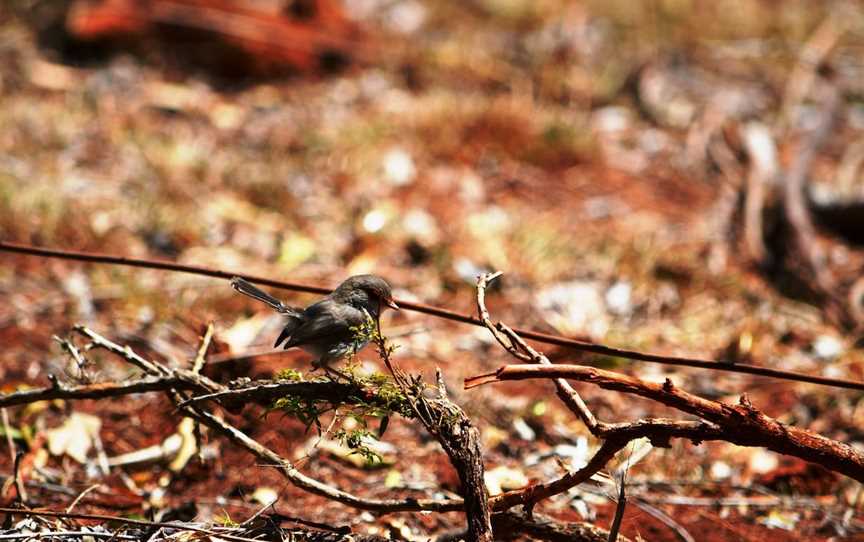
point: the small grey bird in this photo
(324, 329)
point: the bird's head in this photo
(369, 292)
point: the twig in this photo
(620, 506)
(566, 342)
(98, 341)
(679, 529)
(762, 501)
(201, 355)
(248, 521)
(7, 430)
(82, 535)
(81, 496)
(21, 497)
(197, 365)
(265, 392)
(80, 360)
(300, 480)
(100, 390)
(127, 521)
(531, 495)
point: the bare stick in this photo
(566, 342)
(663, 517)
(7, 429)
(201, 355)
(530, 495)
(300, 480)
(98, 341)
(100, 390)
(620, 506)
(126, 521)
(21, 497)
(81, 496)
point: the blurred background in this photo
(674, 176)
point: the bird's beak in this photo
(392, 304)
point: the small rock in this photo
(502, 479)
(826, 347)
(619, 298)
(523, 429)
(720, 470)
(399, 167)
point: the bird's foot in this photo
(336, 373)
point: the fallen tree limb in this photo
(740, 424)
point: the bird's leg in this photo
(331, 371)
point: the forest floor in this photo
(557, 142)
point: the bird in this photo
(327, 329)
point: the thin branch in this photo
(79, 535)
(7, 430)
(77, 356)
(530, 495)
(300, 480)
(126, 521)
(98, 341)
(566, 342)
(265, 392)
(201, 355)
(81, 496)
(21, 492)
(666, 519)
(620, 506)
(100, 390)
(517, 347)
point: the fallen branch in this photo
(100, 390)
(239, 533)
(540, 527)
(740, 424)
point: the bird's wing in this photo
(294, 321)
(326, 320)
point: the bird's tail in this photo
(247, 288)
